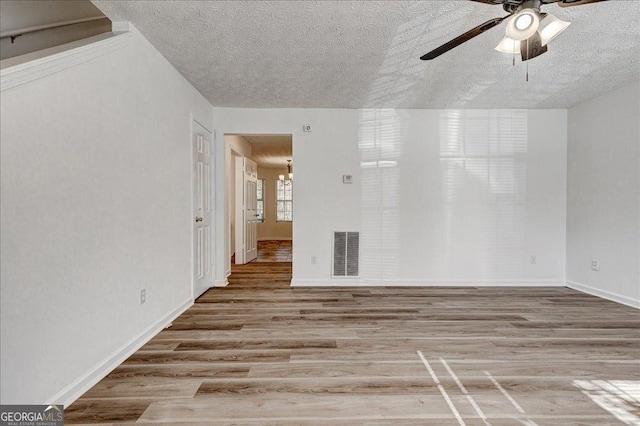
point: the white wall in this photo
(96, 204)
(453, 197)
(603, 213)
(271, 229)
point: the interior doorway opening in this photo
(260, 199)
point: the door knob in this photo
(199, 219)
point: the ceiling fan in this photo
(528, 31)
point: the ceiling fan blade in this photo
(569, 3)
(463, 38)
(492, 2)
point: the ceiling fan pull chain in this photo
(528, 56)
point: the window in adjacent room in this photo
(284, 200)
(260, 199)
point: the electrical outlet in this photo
(533, 260)
(314, 260)
(143, 296)
(595, 265)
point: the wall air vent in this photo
(346, 254)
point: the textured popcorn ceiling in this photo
(353, 54)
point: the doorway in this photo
(260, 198)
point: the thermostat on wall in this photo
(347, 178)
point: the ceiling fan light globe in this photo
(523, 25)
(508, 45)
(523, 22)
(551, 27)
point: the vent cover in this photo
(346, 254)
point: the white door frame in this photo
(223, 197)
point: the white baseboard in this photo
(614, 297)
(76, 389)
(274, 239)
(221, 283)
(348, 282)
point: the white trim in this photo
(193, 118)
(121, 26)
(275, 239)
(33, 66)
(348, 282)
(221, 283)
(328, 282)
(614, 297)
(85, 382)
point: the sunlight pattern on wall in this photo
(379, 145)
(483, 160)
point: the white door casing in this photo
(203, 187)
(250, 210)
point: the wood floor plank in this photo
(201, 356)
(326, 369)
(272, 406)
(105, 410)
(144, 387)
(257, 344)
(314, 385)
(182, 370)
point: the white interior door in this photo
(203, 173)
(250, 210)
(238, 208)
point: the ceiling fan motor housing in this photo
(512, 6)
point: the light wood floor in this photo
(259, 352)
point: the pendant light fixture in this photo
(289, 172)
